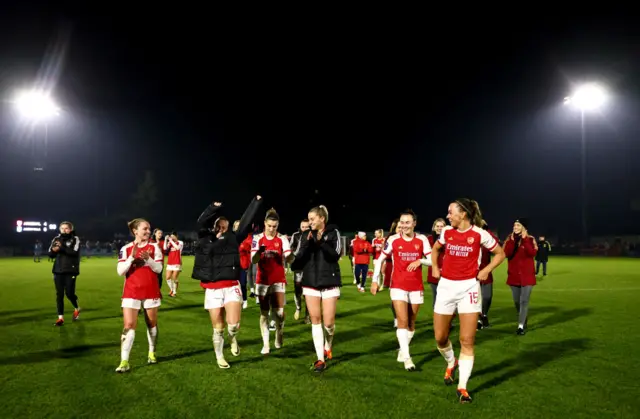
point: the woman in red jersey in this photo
(521, 250)
(271, 251)
(140, 262)
(436, 230)
(458, 288)
(245, 262)
(408, 251)
(173, 247)
(377, 244)
(486, 287)
(157, 239)
(217, 267)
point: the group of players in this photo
(454, 259)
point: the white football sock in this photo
(152, 337)
(410, 335)
(403, 340)
(465, 366)
(218, 343)
(449, 356)
(170, 284)
(127, 338)
(264, 327)
(328, 342)
(318, 340)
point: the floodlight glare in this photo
(36, 105)
(588, 97)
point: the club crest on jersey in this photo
(470, 240)
(276, 245)
(417, 246)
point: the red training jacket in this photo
(521, 268)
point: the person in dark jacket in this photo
(65, 250)
(217, 267)
(520, 249)
(297, 272)
(318, 254)
(542, 257)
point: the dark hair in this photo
(305, 220)
(471, 209)
(409, 212)
(272, 215)
(321, 211)
(394, 226)
(133, 224)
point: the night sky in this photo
(375, 115)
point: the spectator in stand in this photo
(542, 257)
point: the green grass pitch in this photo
(580, 359)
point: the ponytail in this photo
(472, 210)
(321, 211)
(272, 215)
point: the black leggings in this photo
(65, 284)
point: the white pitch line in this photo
(536, 289)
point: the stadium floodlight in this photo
(36, 105)
(587, 97)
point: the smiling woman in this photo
(140, 263)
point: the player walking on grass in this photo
(270, 251)
(65, 251)
(173, 247)
(408, 251)
(217, 267)
(156, 238)
(318, 253)
(458, 287)
(140, 263)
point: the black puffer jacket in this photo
(318, 259)
(218, 258)
(67, 258)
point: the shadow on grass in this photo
(530, 360)
(38, 316)
(537, 318)
(366, 309)
(64, 353)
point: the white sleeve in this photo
(426, 250)
(166, 244)
(487, 240)
(255, 246)
(180, 245)
(286, 246)
(442, 239)
(154, 265)
(124, 263)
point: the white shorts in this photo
(263, 290)
(323, 294)
(174, 268)
(464, 296)
(220, 297)
(138, 304)
(411, 297)
(297, 277)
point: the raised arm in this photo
(54, 253)
(124, 262)
(209, 213)
(247, 218)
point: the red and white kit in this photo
(378, 245)
(174, 260)
(405, 286)
(270, 277)
(141, 288)
(458, 287)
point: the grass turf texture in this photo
(579, 359)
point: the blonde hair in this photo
(380, 231)
(236, 225)
(321, 211)
(433, 227)
(69, 223)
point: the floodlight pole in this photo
(585, 231)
